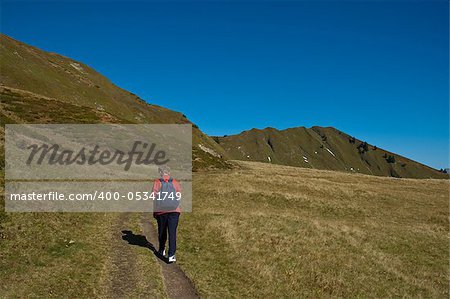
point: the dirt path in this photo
(123, 267)
(177, 284)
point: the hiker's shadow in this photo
(140, 240)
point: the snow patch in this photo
(208, 150)
(77, 66)
(331, 152)
(99, 107)
(17, 54)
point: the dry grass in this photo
(258, 231)
(267, 230)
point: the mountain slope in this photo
(42, 87)
(321, 148)
(31, 77)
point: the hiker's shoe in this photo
(162, 253)
(172, 259)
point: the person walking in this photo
(167, 196)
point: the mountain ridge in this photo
(321, 148)
(37, 86)
(312, 127)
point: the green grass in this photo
(68, 255)
(37, 258)
(26, 108)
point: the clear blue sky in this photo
(377, 70)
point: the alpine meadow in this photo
(286, 212)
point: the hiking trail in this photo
(123, 271)
(176, 283)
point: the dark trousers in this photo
(168, 222)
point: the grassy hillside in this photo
(321, 148)
(258, 230)
(269, 231)
(32, 78)
(40, 76)
(62, 254)
(74, 254)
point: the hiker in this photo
(167, 192)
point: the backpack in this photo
(167, 199)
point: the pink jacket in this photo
(157, 187)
